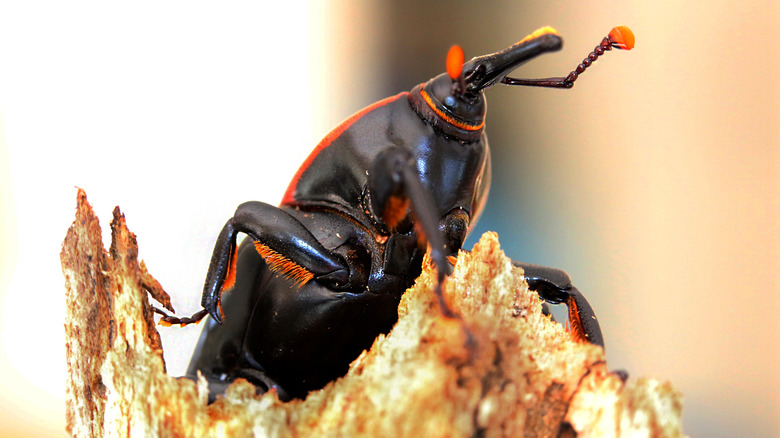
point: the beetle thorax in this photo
(457, 115)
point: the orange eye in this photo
(455, 62)
(621, 37)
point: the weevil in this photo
(320, 276)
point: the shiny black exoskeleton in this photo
(320, 276)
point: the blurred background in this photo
(655, 181)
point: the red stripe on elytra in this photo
(289, 195)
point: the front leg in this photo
(554, 286)
(287, 247)
(394, 188)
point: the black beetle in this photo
(321, 275)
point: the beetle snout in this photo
(485, 71)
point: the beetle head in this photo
(455, 102)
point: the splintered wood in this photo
(501, 369)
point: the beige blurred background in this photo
(655, 182)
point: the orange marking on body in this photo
(289, 195)
(455, 59)
(282, 265)
(537, 33)
(230, 275)
(448, 119)
(422, 241)
(395, 210)
(575, 324)
(621, 37)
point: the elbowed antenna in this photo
(620, 37)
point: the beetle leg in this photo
(284, 243)
(169, 320)
(554, 286)
(262, 382)
(394, 187)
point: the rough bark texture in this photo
(503, 369)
